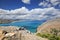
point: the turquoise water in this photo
(29, 25)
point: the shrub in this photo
(49, 36)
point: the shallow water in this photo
(29, 25)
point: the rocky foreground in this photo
(15, 33)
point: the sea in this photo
(29, 25)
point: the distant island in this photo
(7, 20)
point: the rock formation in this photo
(15, 33)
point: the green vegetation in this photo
(54, 32)
(51, 36)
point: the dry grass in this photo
(47, 26)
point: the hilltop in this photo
(48, 25)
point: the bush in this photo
(52, 36)
(43, 35)
(49, 36)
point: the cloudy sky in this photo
(29, 9)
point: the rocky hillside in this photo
(47, 26)
(7, 20)
(14, 33)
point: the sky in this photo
(14, 4)
(29, 9)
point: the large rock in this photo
(47, 26)
(14, 33)
(22, 35)
(2, 33)
(9, 28)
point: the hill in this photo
(7, 20)
(48, 25)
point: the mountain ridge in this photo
(48, 25)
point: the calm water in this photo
(29, 25)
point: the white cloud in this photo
(22, 11)
(52, 1)
(55, 2)
(49, 3)
(2, 11)
(44, 4)
(34, 14)
(26, 1)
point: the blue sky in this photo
(29, 9)
(14, 4)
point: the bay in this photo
(29, 25)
